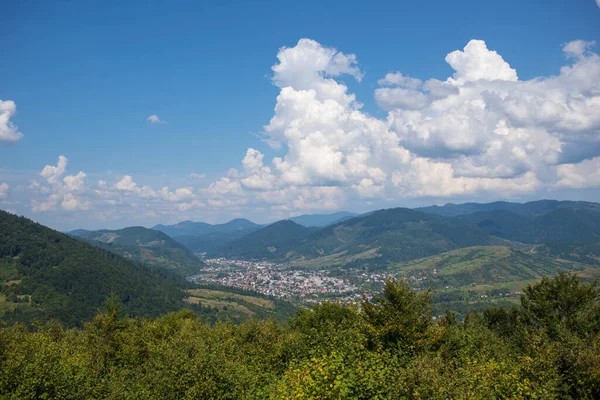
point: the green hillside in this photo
(45, 275)
(191, 228)
(210, 242)
(474, 278)
(481, 265)
(530, 209)
(273, 242)
(390, 236)
(566, 225)
(146, 246)
(382, 237)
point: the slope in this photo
(190, 228)
(378, 238)
(562, 225)
(531, 209)
(145, 246)
(321, 220)
(273, 241)
(45, 275)
(482, 265)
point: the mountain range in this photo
(200, 237)
(385, 237)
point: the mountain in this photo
(320, 220)
(586, 253)
(211, 237)
(184, 228)
(272, 241)
(384, 237)
(530, 209)
(46, 275)
(387, 236)
(381, 237)
(562, 225)
(210, 242)
(190, 228)
(145, 246)
(482, 265)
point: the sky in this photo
(142, 112)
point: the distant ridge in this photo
(191, 228)
(531, 209)
(320, 220)
(272, 241)
(381, 238)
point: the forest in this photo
(389, 347)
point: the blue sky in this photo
(79, 79)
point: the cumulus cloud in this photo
(479, 133)
(578, 48)
(154, 119)
(65, 192)
(475, 62)
(3, 190)
(127, 184)
(9, 133)
(582, 175)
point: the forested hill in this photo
(45, 275)
(530, 209)
(146, 246)
(397, 234)
(191, 228)
(272, 241)
(385, 237)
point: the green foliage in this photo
(272, 241)
(563, 304)
(387, 349)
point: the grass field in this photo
(233, 303)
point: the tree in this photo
(401, 316)
(563, 302)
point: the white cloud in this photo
(9, 133)
(598, 3)
(585, 174)
(53, 173)
(578, 48)
(3, 190)
(481, 133)
(397, 79)
(67, 192)
(476, 62)
(154, 119)
(75, 182)
(127, 184)
(177, 195)
(195, 175)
